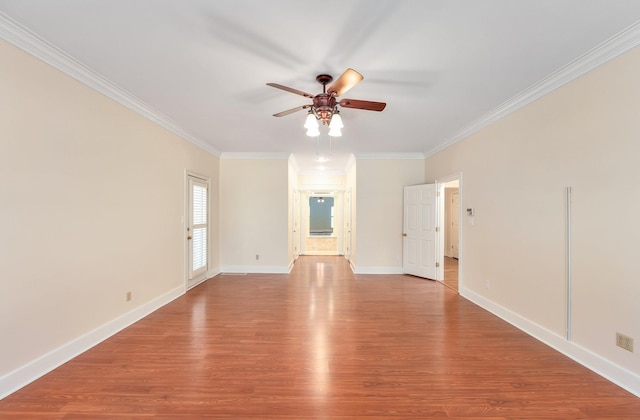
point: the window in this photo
(321, 216)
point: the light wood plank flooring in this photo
(321, 343)
(451, 273)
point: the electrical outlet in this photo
(624, 342)
(128, 296)
(257, 257)
(487, 285)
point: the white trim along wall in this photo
(583, 135)
(101, 241)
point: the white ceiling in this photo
(441, 65)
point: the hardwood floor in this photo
(321, 343)
(451, 273)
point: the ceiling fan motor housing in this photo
(324, 105)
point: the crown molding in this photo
(350, 163)
(18, 35)
(613, 47)
(389, 156)
(294, 163)
(28, 41)
(315, 172)
(251, 155)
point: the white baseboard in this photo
(377, 270)
(28, 373)
(603, 367)
(213, 272)
(256, 269)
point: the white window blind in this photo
(199, 248)
(199, 218)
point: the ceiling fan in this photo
(324, 106)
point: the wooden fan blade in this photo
(291, 111)
(292, 90)
(349, 79)
(358, 104)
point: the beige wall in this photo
(92, 203)
(379, 212)
(254, 211)
(585, 135)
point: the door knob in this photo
(404, 234)
(188, 237)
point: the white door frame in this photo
(454, 220)
(347, 222)
(189, 176)
(296, 234)
(441, 202)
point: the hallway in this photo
(321, 343)
(451, 273)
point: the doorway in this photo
(321, 223)
(450, 248)
(347, 225)
(197, 229)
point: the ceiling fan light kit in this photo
(336, 125)
(324, 108)
(336, 120)
(335, 132)
(311, 121)
(313, 132)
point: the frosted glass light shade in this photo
(311, 122)
(336, 121)
(335, 132)
(313, 132)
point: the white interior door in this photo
(420, 230)
(197, 230)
